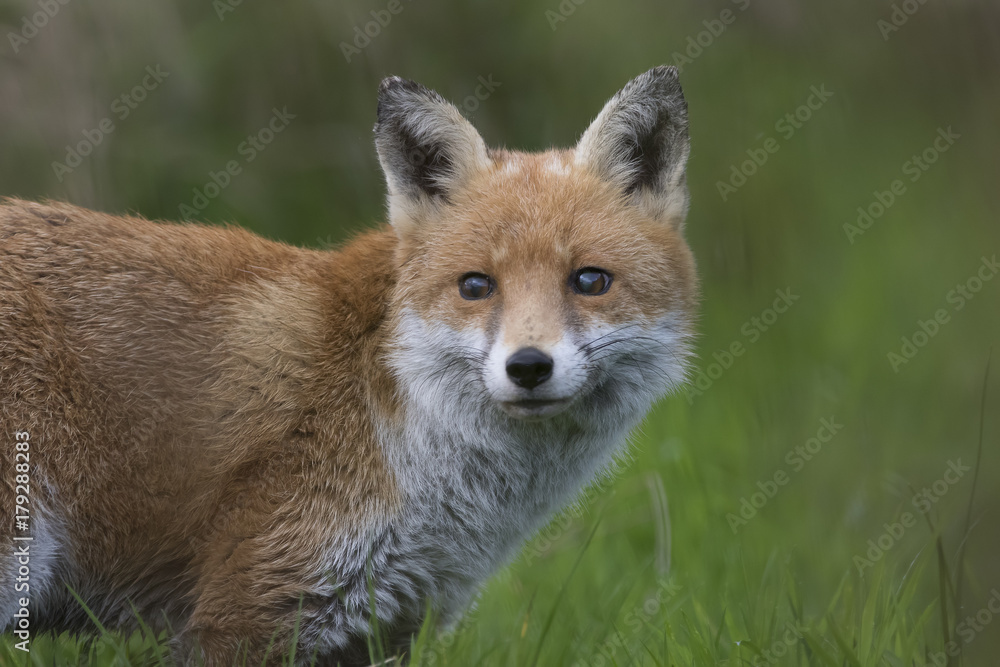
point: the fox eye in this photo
(591, 281)
(474, 286)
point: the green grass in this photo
(631, 578)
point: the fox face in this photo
(538, 285)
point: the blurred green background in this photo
(688, 584)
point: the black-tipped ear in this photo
(639, 142)
(427, 149)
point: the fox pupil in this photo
(591, 281)
(474, 286)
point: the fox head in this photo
(539, 286)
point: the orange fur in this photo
(529, 226)
(198, 401)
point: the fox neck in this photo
(470, 498)
(477, 482)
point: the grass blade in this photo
(562, 592)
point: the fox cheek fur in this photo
(251, 443)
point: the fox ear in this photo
(639, 142)
(426, 147)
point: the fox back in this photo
(251, 443)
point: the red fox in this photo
(248, 442)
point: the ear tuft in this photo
(639, 142)
(395, 92)
(426, 147)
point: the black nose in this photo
(529, 367)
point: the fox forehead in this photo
(529, 222)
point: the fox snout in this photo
(538, 384)
(529, 367)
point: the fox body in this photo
(248, 442)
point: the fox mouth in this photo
(535, 408)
